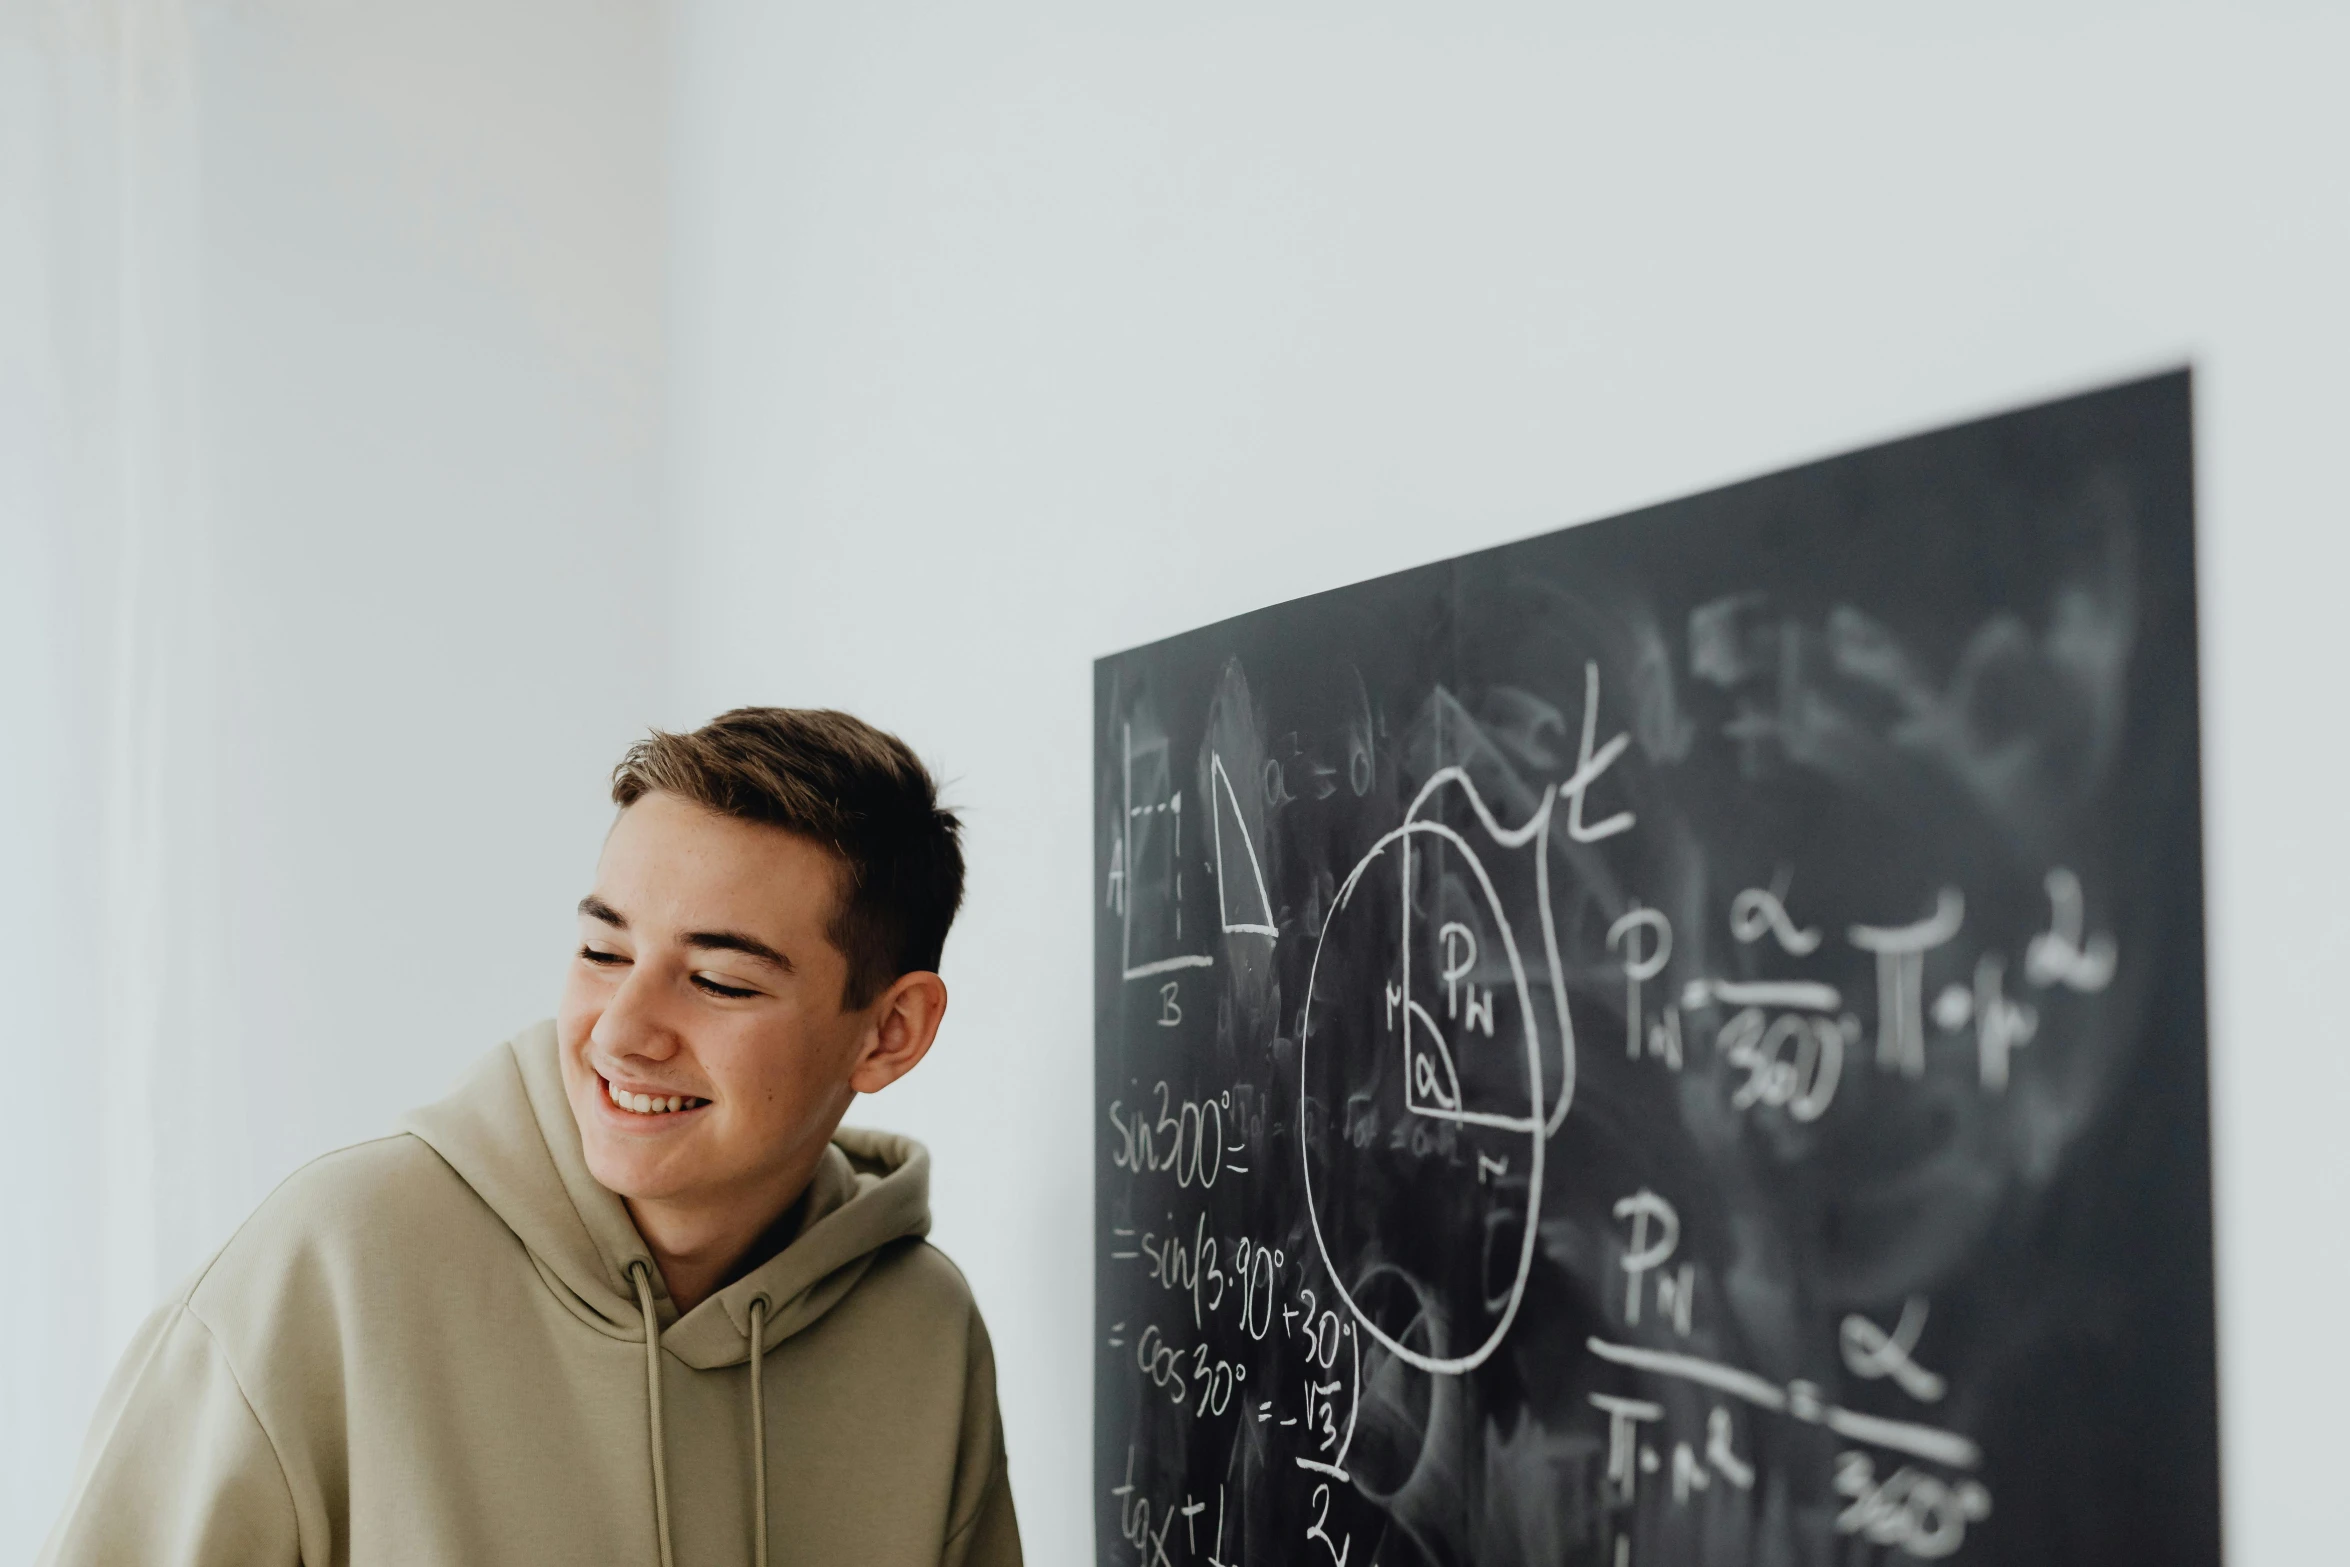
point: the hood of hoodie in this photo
(509, 1133)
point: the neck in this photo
(701, 1247)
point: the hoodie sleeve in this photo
(984, 1532)
(177, 1471)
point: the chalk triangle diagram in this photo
(1242, 903)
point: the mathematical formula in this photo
(1591, 1072)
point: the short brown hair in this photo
(848, 786)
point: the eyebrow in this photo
(736, 941)
(597, 909)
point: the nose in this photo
(634, 1024)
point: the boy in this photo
(630, 1294)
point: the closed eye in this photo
(717, 989)
(602, 958)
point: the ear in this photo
(905, 1021)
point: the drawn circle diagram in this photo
(1378, 1040)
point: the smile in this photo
(650, 1104)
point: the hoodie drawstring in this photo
(642, 1275)
(758, 1435)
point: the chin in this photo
(626, 1172)
(632, 1166)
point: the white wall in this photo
(434, 288)
(1007, 336)
(402, 607)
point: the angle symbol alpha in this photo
(1221, 794)
(1431, 1084)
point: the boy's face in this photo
(704, 979)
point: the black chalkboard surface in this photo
(1676, 1041)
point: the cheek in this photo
(763, 1081)
(579, 1082)
(777, 1076)
(578, 1003)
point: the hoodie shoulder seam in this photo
(236, 1380)
(187, 1296)
(997, 1475)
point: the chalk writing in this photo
(1633, 1048)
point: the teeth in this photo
(650, 1104)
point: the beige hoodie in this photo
(431, 1349)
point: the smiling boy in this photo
(632, 1293)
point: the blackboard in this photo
(1680, 1040)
